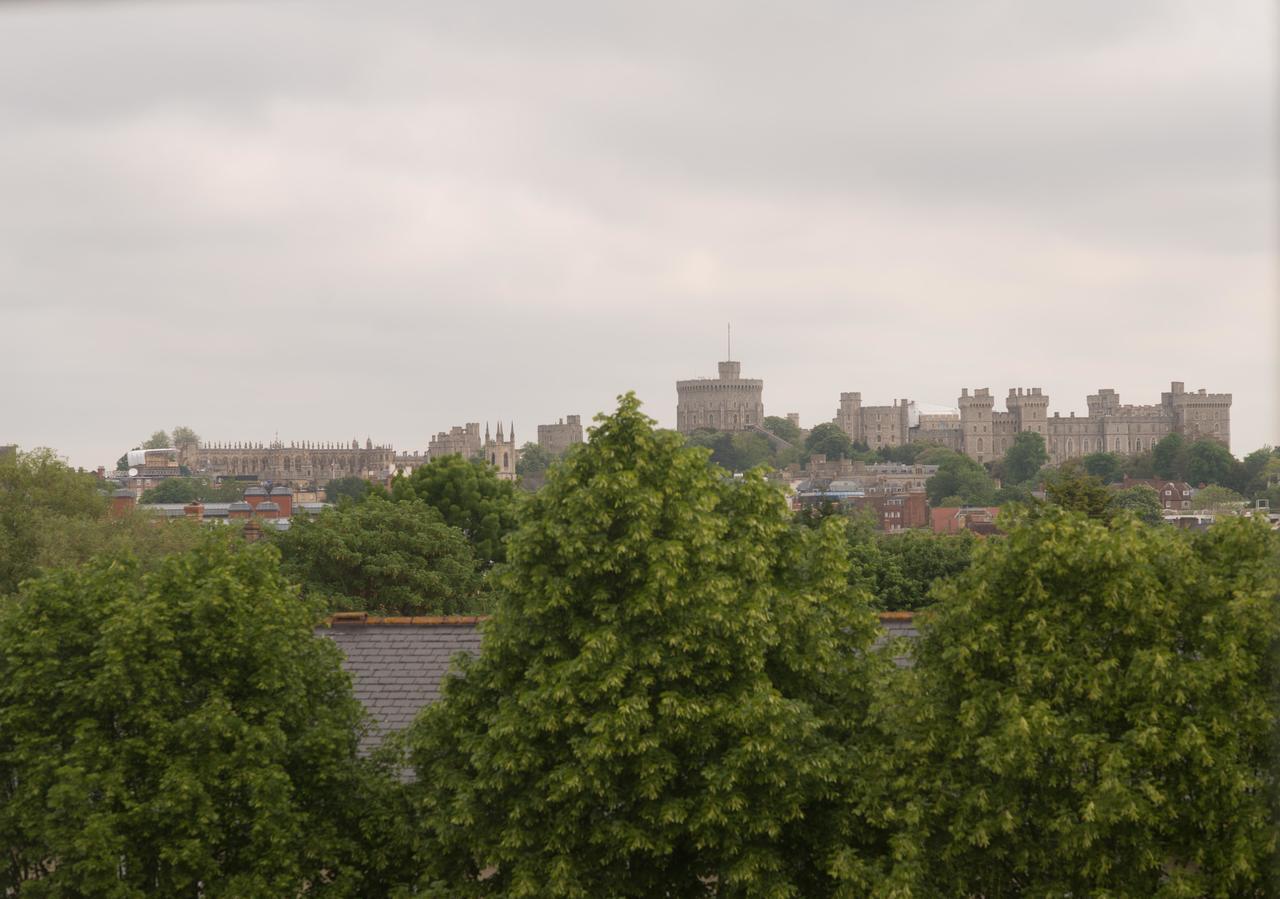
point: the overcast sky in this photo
(338, 220)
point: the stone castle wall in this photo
(727, 403)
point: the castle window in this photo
(506, 461)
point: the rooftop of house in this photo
(397, 665)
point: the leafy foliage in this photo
(382, 557)
(1209, 462)
(1141, 500)
(959, 480)
(1024, 459)
(1091, 713)
(182, 732)
(1070, 488)
(534, 460)
(158, 440)
(347, 489)
(1106, 467)
(39, 495)
(1215, 497)
(899, 570)
(186, 490)
(672, 694)
(782, 427)
(829, 440)
(469, 496)
(734, 451)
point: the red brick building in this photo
(894, 511)
(1173, 494)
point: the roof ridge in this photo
(349, 618)
(364, 618)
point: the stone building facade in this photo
(296, 463)
(559, 437)
(458, 441)
(726, 403)
(501, 452)
(985, 433)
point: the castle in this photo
(974, 427)
(977, 429)
(727, 403)
(559, 437)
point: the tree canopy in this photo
(347, 489)
(382, 557)
(1092, 713)
(1107, 467)
(782, 427)
(534, 460)
(186, 490)
(958, 478)
(1024, 459)
(469, 496)
(669, 695)
(1141, 500)
(182, 732)
(898, 571)
(830, 440)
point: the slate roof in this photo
(398, 664)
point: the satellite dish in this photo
(133, 472)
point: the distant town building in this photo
(726, 403)
(501, 453)
(1174, 495)
(297, 463)
(954, 519)
(559, 437)
(461, 441)
(893, 512)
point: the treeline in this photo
(681, 692)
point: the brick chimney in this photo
(283, 497)
(252, 531)
(194, 510)
(122, 503)
(239, 510)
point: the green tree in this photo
(1209, 462)
(1140, 465)
(960, 478)
(184, 437)
(183, 732)
(1107, 467)
(782, 427)
(829, 440)
(1255, 469)
(1215, 497)
(1092, 713)
(348, 489)
(382, 557)
(173, 490)
(899, 571)
(158, 440)
(1141, 500)
(469, 496)
(38, 495)
(1070, 488)
(534, 460)
(1025, 458)
(671, 693)
(1169, 458)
